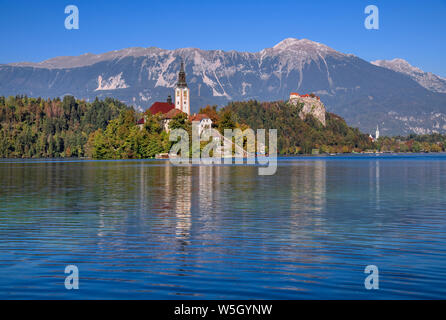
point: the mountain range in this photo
(426, 79)
(398, 97)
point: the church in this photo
(168, 109)
(182, 97)
(376, 137)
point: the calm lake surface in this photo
(150, 230)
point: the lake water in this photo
(149, 230)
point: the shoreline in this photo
(279, 157)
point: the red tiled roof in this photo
(305, 95)
(198, 117)
(141, 121)
(162, 107)
(172, 113)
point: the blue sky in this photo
(412, 29)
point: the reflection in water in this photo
(377, 185)
(308, 193)
(308, 186)
(183, 202)
(206, 177)
(374, 183)
(146, 229)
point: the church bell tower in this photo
(182, 98)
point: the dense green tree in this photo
(51, 128)
(296, 135)
(106, 129)
(180, 121)
(226, 121)
(122, 139)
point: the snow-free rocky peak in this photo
(428, 80)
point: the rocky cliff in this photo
(310, 106)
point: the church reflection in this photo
(206, 177)
(183, 202)
(194, 191)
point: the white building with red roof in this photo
(204, 121)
